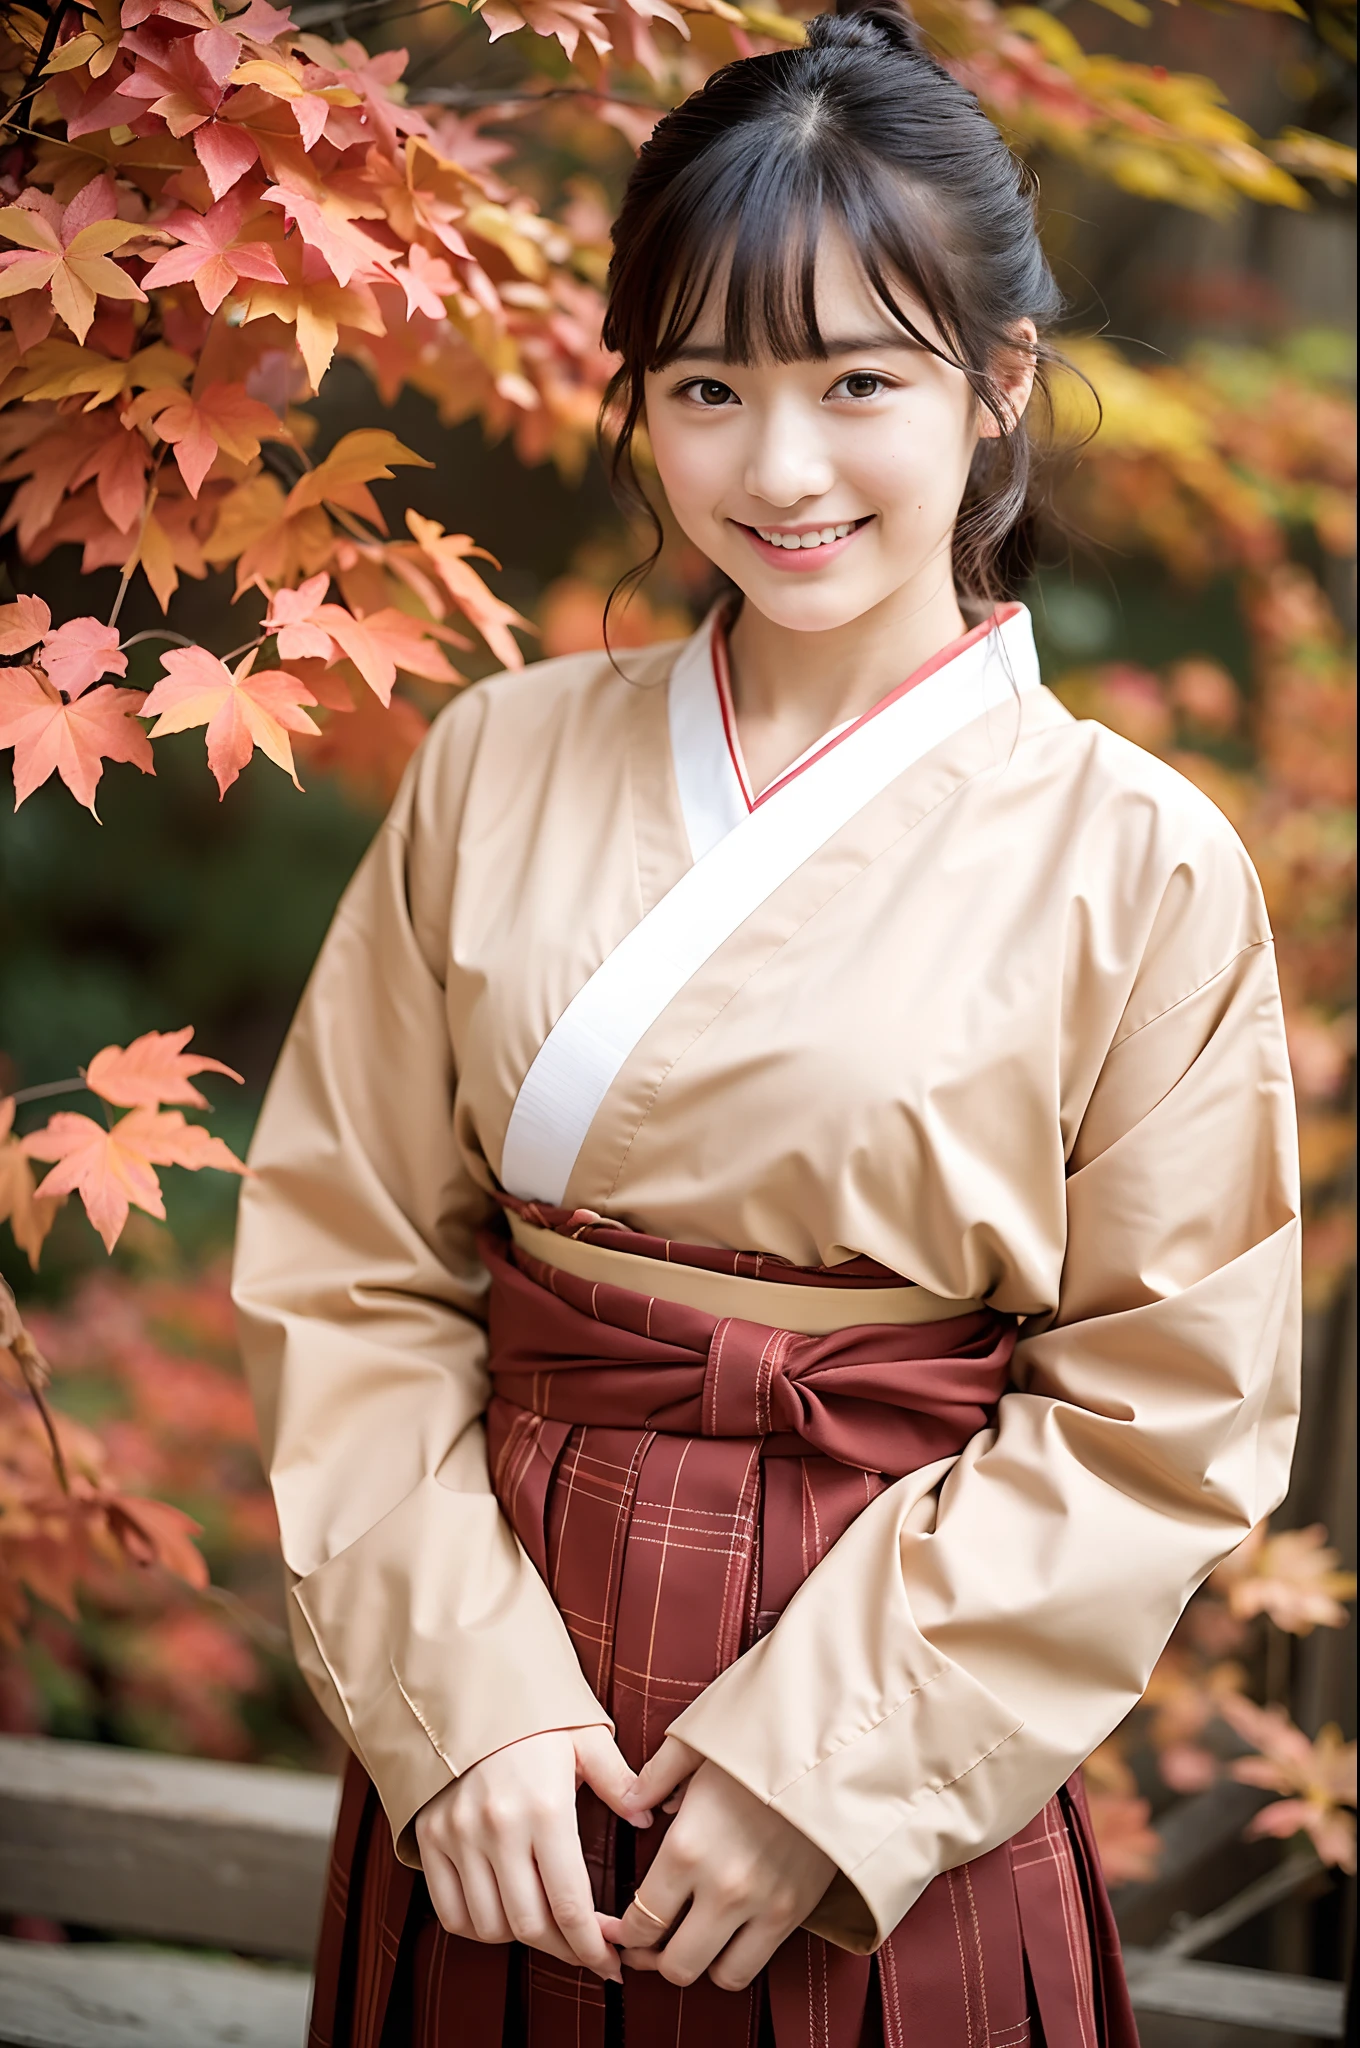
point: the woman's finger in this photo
(566, 1887)
(673, 1763)
(600, 1764)
(655, 1907)
(446, 1895)
(747, 1953)
(483, 1896)
(702, 1935)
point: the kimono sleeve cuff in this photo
(442, 1644)
(892, 1801)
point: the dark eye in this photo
(710, 392)
(861, 384)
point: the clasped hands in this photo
(502, 1858)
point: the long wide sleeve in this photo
(980, 1629)
(420, 1623)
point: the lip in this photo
(801, 560)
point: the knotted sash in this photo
(675, 1476)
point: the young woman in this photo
(770, 1269)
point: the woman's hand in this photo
(501, 1849)
(747, 1877)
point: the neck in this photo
(790, 687)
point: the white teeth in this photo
(821, 537)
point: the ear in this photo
(1015, 379)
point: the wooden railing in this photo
(229, 1857)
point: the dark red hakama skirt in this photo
(660, 1462)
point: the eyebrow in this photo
(837, 345)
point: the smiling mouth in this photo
(806, 539)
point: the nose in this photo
(787, 459)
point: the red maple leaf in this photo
(154, 1069)
(211, 254)
(242, 711)
(73, 739)
(112, 1170)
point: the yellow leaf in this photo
(1314, 156)
(272, 78)
(496, 225)
(78, 51)
(29, 230)
(357, 458)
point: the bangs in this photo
(745, 236)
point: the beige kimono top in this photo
(1013, 1031)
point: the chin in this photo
(802, 608)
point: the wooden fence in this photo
(227, 1861)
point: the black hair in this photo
(863, 130)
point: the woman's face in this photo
(824, 487)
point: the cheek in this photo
(915, 463)
(690, 463)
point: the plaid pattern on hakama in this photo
(675, 1476)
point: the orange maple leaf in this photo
(70, 251)
(23, 624)
(493, 618)
(113, 1169)
(356, 460)
(154, 1069)
(241, 710)
(28, 1218)
(74, 739)
(378, 643)
(79, 653)
(224, 417)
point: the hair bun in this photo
(868, 24)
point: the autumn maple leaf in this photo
(23, 624)
(223, 417)
(211, 256)
(378, 643)
(493, 618)
(1320, 1775)
(71, 247)
(74, 740)
(1292, 1578)
(241, 710)
(29, 1219)
(154, 1069)
(112, 1170)
(79, 653)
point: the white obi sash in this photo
(744, 848)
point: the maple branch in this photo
(48, 1088)
(157, 633)
(130, 566)
(45, 49)
(35, 1373)
(246, 646)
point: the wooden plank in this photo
(93, 1995)
(231, 1855)
(1264, 1999)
